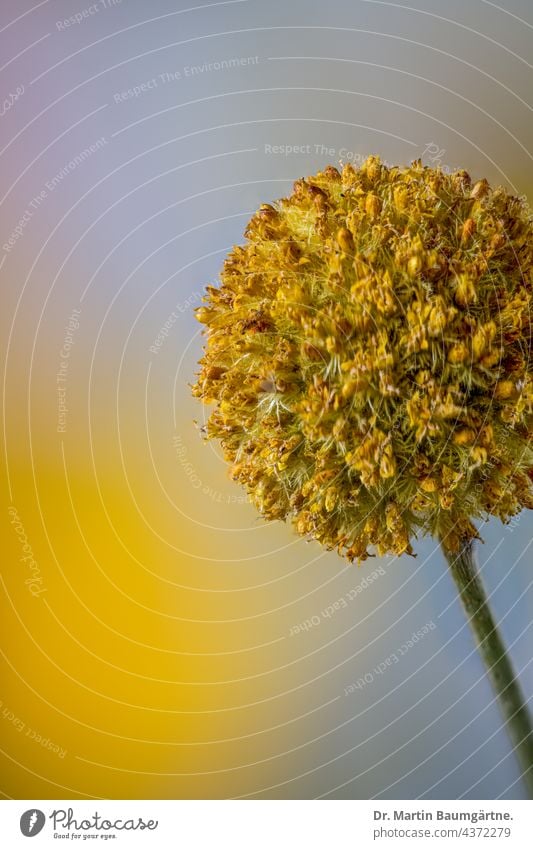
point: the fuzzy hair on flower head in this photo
(369, 357)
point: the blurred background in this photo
(158, 639)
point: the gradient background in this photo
(158, 655)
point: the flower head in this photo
(369, 357)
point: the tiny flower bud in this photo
(372, 206)
(345, 240)
(468, 229)
(458, 353)
(480, 189)
(505, 389)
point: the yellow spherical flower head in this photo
(369, 357)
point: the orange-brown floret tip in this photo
(368, 357)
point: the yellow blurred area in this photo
(159, 669)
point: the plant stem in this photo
(500, 670)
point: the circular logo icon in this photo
(32, 822)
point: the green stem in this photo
(500, 670)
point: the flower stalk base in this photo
(499, 668)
